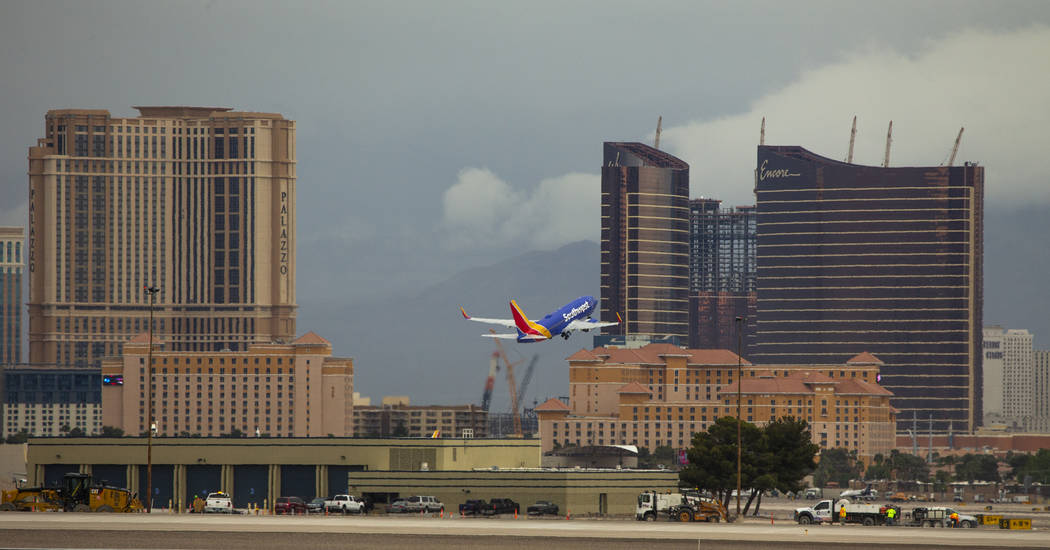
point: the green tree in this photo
(977, 467)
(837, 465)
(110, 431)
(663, 456)
(234, 433)
(941, 480)
(76, 432)
(21, 437)
(400, 430)
(908, 467)
(787, 457)
(713, 458)
(1037, 466)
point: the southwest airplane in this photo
(573, 316)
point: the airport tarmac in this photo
(159, 531)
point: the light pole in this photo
(152, 291)
(739, 384)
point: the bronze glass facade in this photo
(885, 260)
(645, 240)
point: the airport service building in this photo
(858, 259)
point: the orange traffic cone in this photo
(442, 514)
(515, 513)
(566, 514)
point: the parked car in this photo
(345, 504)
(399, 506)
(473, 508)
(502, 506)
(315, 506)
(289, 505)
(418, 503)
(541, 507)
(218, 503)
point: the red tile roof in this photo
(655, 354)
(553, 404)
(865, 359)
(634, 387)
(803, 383)
(311, 339)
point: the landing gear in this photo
(565, 335)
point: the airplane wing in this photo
(509, 323)
(588, 324)
(501, 336)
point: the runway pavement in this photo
(155, 531)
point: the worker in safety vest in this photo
(955, 518)
(891, 513)
(842, 515)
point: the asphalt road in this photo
(160, 531)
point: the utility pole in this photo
(739, 384)
(152, 291)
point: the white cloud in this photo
(995, 85)
(482, 210)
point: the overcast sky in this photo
(434, 136)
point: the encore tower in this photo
(197, 201)
(885, 260)
(645, 241)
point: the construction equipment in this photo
(77, 494)
(512, 385)
(703, 509)
(490, 382)
(762, 133)
(852, 140)
(955, 148)
(524, 385)
(889, 140)
(659, 129)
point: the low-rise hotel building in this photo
(279, 390)
(660, 395)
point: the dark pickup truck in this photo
(502, 506)
(542, 507)
(473, 508)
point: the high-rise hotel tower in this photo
(12, 263)
(885, 260)
(645, 241)
(198, 202)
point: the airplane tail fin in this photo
(525, 325)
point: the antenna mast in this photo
(852, 139)
(955, 149)
(659, 128)
(889, 140)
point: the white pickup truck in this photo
(218, 503)
(345, 504)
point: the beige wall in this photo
(574, 491)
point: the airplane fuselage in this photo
(555, 322)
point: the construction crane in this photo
(955, 149)
(526, 379)
(659, 128)
(511, 385)
(852, 139)
(486, 397)
(889, 139)
(762, 133)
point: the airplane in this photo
(866, 493)
(573, 316)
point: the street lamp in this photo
(739, 384)
(152, 291)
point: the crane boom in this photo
(955, 149)
(511, 385)
(659, 128)
(490, 382)
(889, 139)
(762, 133)
(852, 139)
(527, 378)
